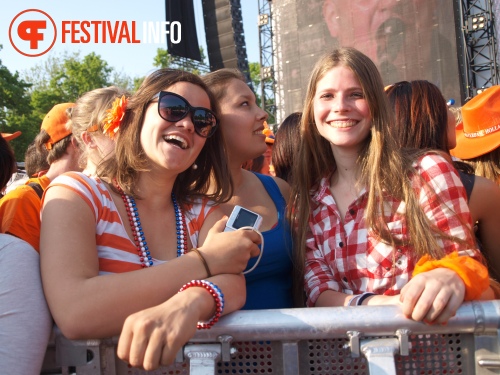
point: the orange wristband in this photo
(473, 273)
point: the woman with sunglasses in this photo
(269, 286)
(116, 248)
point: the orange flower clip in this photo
(115, 116)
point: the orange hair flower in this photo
(114, 117)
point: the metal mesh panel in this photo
(429, 354)
(254, 357)
(330, 357)
(433, 354)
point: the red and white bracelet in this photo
(215, 291)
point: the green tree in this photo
(59, 79)
(164, 59)
(254, 68)
(14, 103)
(79, 77)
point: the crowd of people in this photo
(120, 229)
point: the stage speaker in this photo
(224, 33)
(183, 11)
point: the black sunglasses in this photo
(173, 108)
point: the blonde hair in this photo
(384, 167)
(89, 114)
(487, 165)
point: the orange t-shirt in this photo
(20, 212)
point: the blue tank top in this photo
(269, 286)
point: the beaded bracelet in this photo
(215, 291)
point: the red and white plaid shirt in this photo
(347, 257)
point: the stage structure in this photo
(225, 37)
(407, 40)
(478, 41)
(267, 66)
(186, 54)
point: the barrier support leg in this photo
(202, 358)
(380, 355)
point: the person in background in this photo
(116, 248)
(269, 286)
(383, 226)
(87, 125)
(20, 208)
(478, 136)
(19, 176)
(35, 160)
(268, 167)
(286, 146)
(25, 321)
(423, 121)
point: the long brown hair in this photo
(384, 168)
(421, 118)
(421, 115)
(285, 146)
(130, 158)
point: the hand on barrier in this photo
(151, 338)
(229, 252)
(433, 296)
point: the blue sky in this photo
(131, 59)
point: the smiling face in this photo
(341, 112)
(173, 145)
(242, 122)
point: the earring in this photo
(194, 166)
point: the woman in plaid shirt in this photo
(373, 210)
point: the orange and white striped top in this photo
(116, 251)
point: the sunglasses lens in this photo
(204, 122)
(172, 108)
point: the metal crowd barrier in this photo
(323, 341)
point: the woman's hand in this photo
(151, 338)
(433, 296)
(229, 252)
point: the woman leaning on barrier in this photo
(376, 225)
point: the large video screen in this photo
(407, 39)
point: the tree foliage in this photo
(26, 98)
(59, 79)
(164, 59)
(14, 102)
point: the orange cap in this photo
(54, 123)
